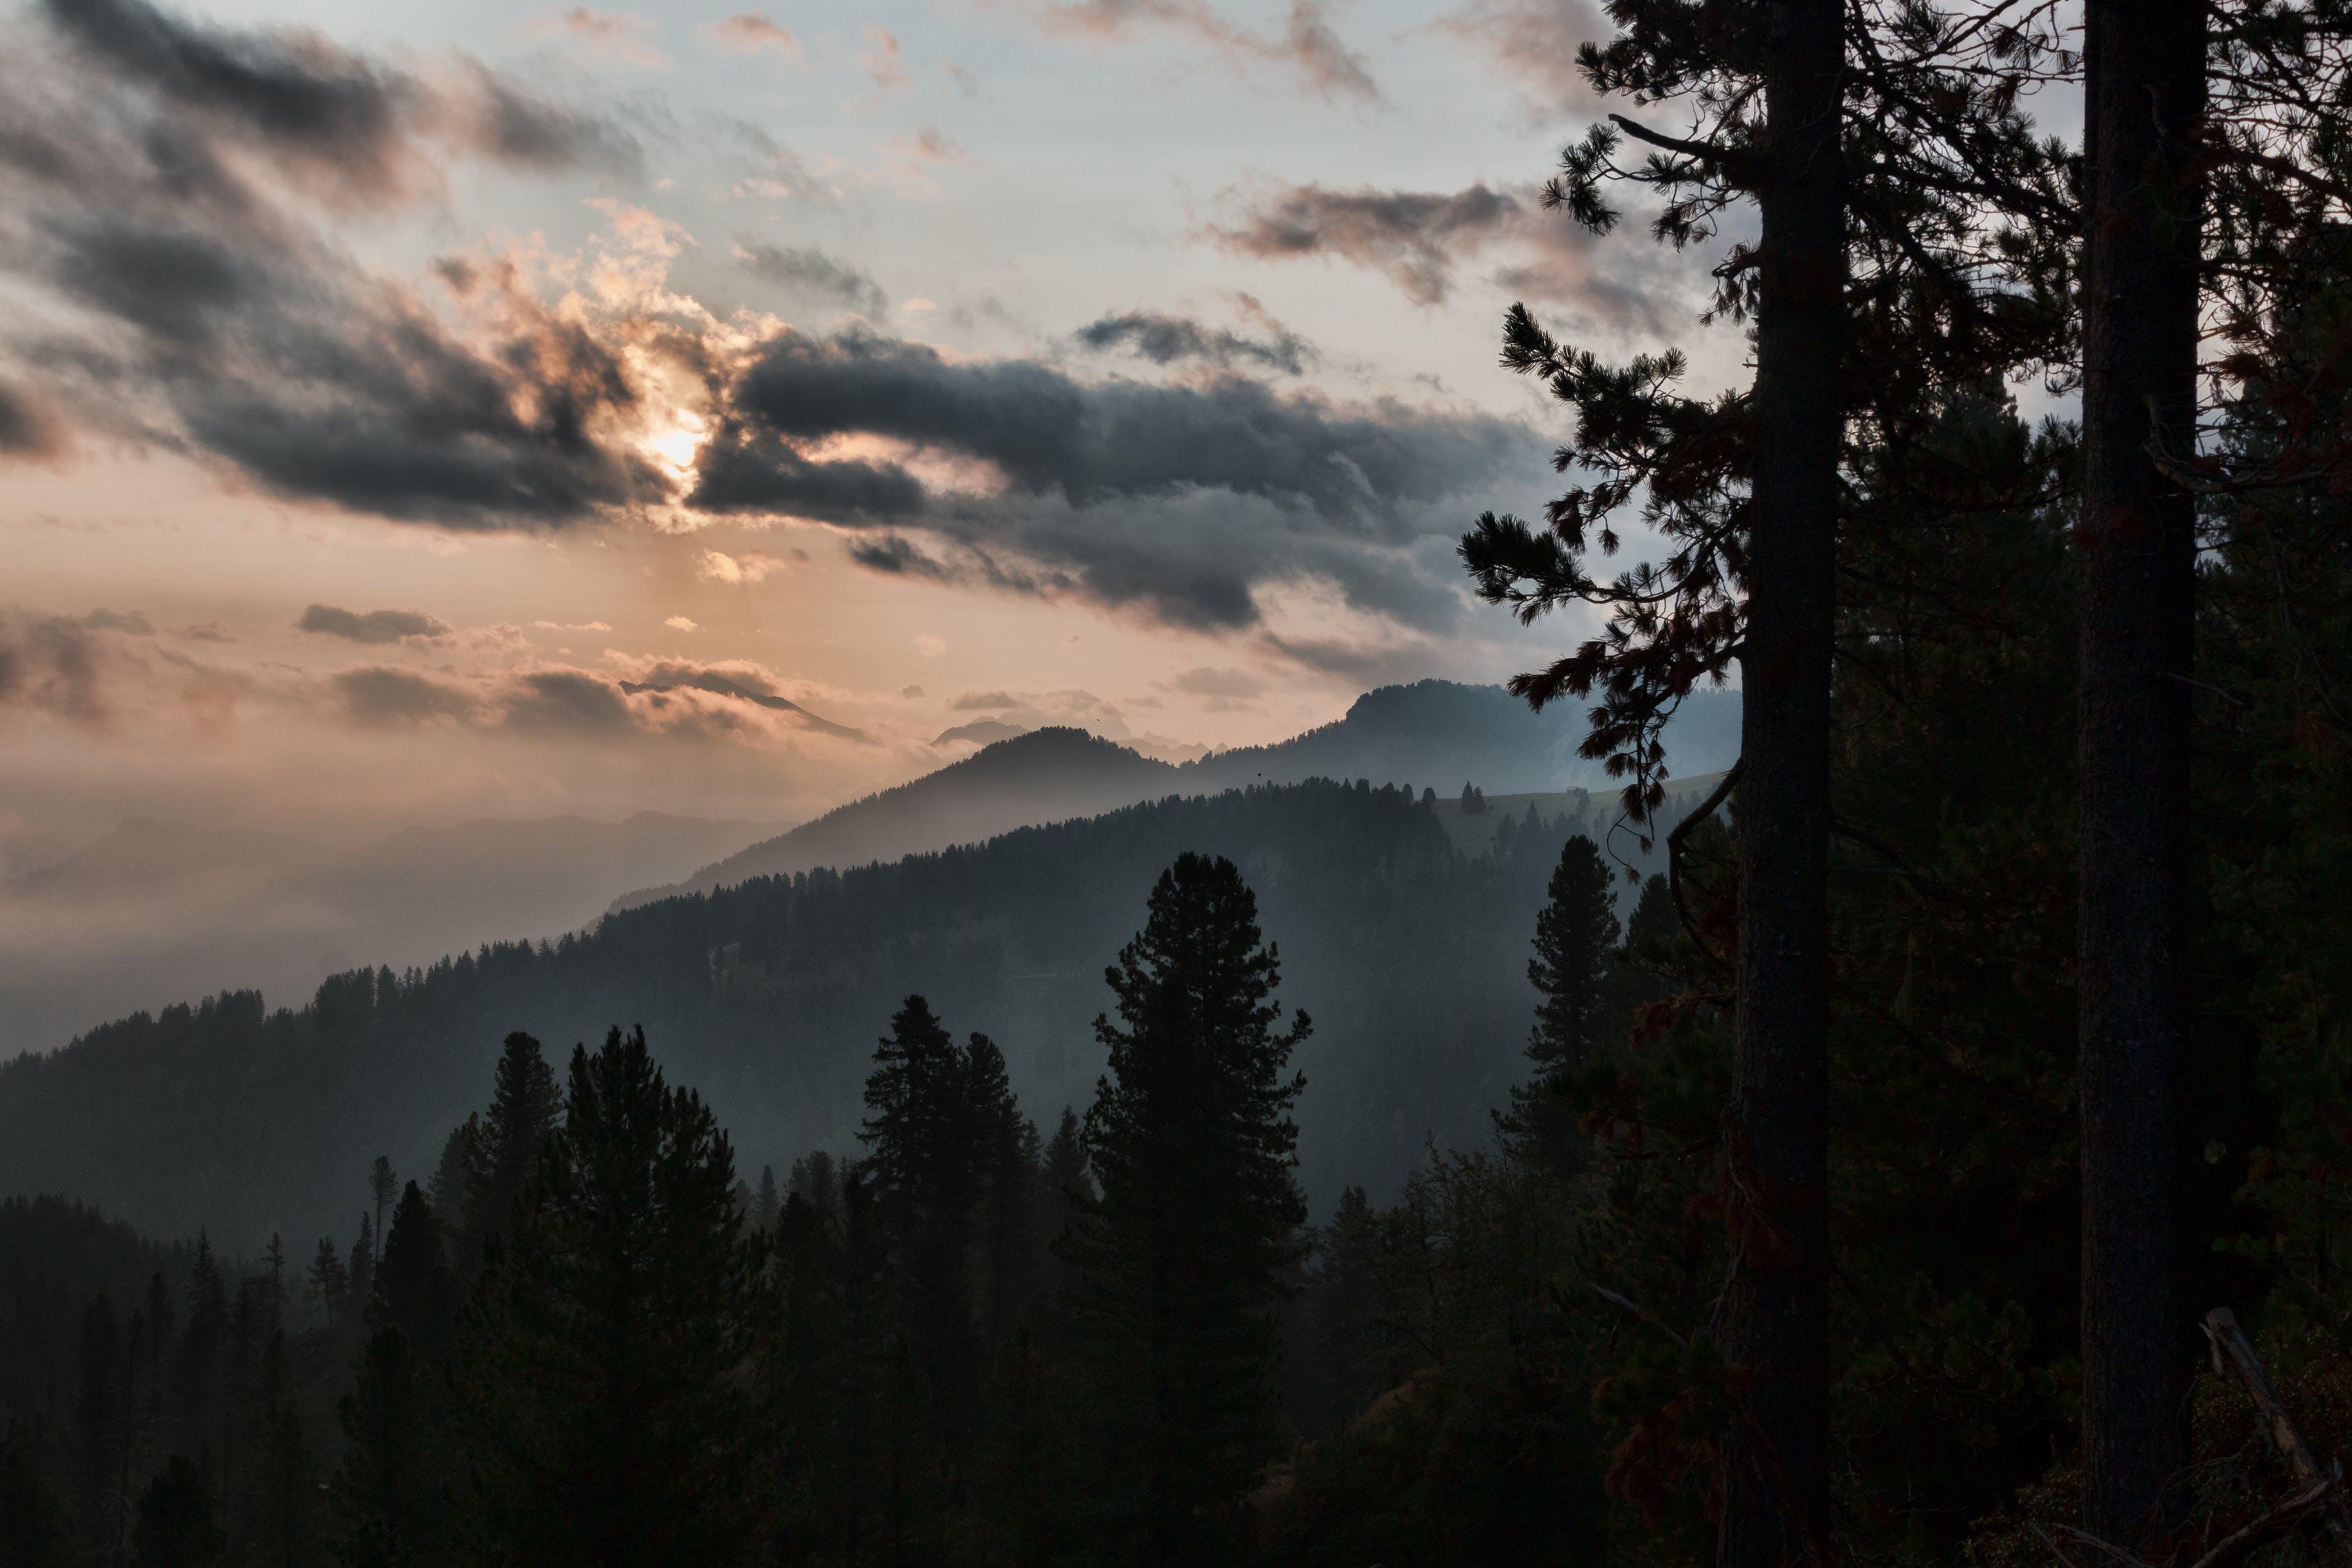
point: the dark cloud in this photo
(362, 122)
(810, 273)
(53, 664)
(1414, 236)
(1177, 500)
(26, 428)
(1166, 340)
(896, 555)
(564, 699)
(1420, 239)
(984, 701)
(376, 694)
(152, 165)
(737, 682)
(372, 627)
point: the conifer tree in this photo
(768, 1204)
(362, 1264)
(330, 1281)
(389, 1493)
(608, 1408)
(501, 1159)
(1006, 1162)
(923, 1133)
(179, 1524)
(1196, 1229)
(447, 1190)
(384, 1186)
(1575, 935)
(415, 1288)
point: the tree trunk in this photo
(1777, 1488)
(2136, 549)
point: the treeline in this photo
(231, 1116)
(586, 1338)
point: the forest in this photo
(1931, 1160)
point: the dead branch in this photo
(2230, 1341)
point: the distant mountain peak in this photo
(980, 732)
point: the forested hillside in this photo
(1407, 951)
(1440, 732)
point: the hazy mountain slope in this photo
(154, 912)
(1046, 775)
(1443, 735)
(1410, 955)
(1434, 733)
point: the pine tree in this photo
(415, 1291)
(447, 1190)
(1005, 1161)
(1196, 1229)
(384, 1186)
(390, 1494)
(608, 1411)
(1574, 938)
(361, 1265)
(178, 1525)
(501, 1158)
(768, 1204)
(330, 1281)
(922, 1134)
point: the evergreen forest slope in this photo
(1437, 734)
(1408, 953)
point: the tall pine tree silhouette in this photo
(607, 1402)
(1574, 936)
(524, 1106)
(1197, 1224)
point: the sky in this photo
(423, 412)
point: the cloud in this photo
(129, 622)
(752, 32)
(979, 732)
(751, 566)
(1166, 340)
(379, 695)
(28, 429)
(984, 701)
(622, 37)
(52, 665)
(928, 646)
(563, 700)
(736, 680)
(1205, 682)
(932, 146)
(1534, 43)
(812, 274)
(884, 61)
(374, 626)
(1413, 236)
(1307, 46)
(571, 626)
(681, 624)
(164, 178)
(207, 631)
(1175, 500)
(1419, 238)
(336, 114)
